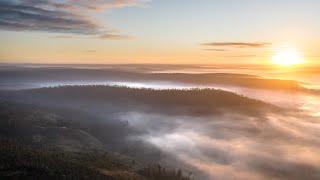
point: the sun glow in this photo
(288, 57)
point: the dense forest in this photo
(22, 161)
(62, 144)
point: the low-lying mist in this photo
(233, 146)
(235, 129)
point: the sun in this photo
(288, 57)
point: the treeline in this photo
(187, 102)
(146, 95)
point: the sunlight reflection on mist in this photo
(236, 147)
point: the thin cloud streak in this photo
(238, 44)
(114, 36)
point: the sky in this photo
(157, 31)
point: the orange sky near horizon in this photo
(159, 32)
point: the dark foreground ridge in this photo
(47, 143)
(23, 161)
